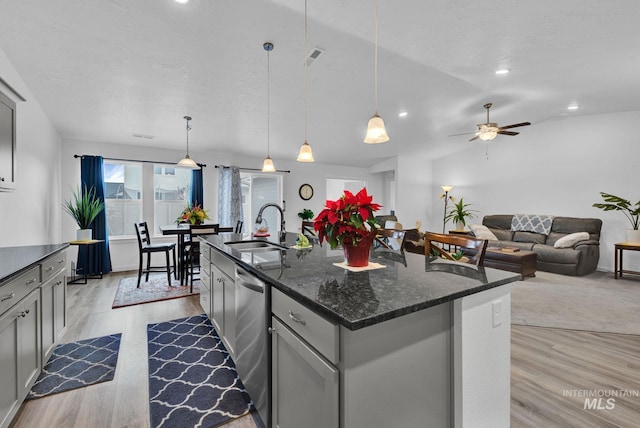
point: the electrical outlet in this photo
(496, 308)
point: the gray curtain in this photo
(229, 196)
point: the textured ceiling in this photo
(106, 69)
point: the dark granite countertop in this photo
(408, 282)
(15, 260)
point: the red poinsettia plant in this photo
(349, 220)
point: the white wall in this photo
(30, 215)
(124, 252)
(557, 167)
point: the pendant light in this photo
(375, 130)
(187, 162)
(268, 166)
(305, 154)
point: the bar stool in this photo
(146, 247)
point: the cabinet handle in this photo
(58, 282)
(62, 260)
(8, 297)
(31, 281)
(23, 314)
(49, 269)
(271, 330)
(295, 318)
(1, 178)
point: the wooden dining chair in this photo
(146, 247)
(473, 248)
(191, 252)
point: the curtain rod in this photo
(203, 165)
(253, 169)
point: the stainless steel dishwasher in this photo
(253, 343)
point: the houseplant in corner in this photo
(349, 222)
(460, 213)
(84, 207)
(630, 210)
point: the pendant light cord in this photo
(375, 65)
(188, 118)
(268, 101)
(306, 95)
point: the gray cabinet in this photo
(20, 345)
(305, 383)
(33, 317)
(7, 143)
(53, 296)
(223, 299)
(217, 299)
(305, 386)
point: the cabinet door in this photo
(230, 314)
(29, 345)
(47, 300)
(205, 294)
(60, 305)
(305, 387)
(217, 300)
(9, 398)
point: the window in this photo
(257, 190)
(172, 192)
(123, 197)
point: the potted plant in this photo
(349, 222)
(630, 210)
(305, 214)
(84, 207)
(460, 213)
(193, 214)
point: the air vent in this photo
(146, 137)
(313, 55)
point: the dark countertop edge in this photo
(30, 262)
(356, 325)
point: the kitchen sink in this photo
(254, 246)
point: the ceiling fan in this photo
(489, 130)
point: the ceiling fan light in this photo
(267, 165)
(488, 135)
(187, 162)
(305, 154)
(376, 133)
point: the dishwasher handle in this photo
(248, 281)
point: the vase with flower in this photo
(193, 214)
(349, 222)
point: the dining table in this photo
(181, 230)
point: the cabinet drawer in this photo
(223, 263)
(317, 331)
(18, 288)
(205, 250)
(53, 265)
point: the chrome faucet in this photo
(282, 227)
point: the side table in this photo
(85, 275)
(618, 270)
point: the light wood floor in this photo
(545, 362)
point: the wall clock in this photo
(306, 191)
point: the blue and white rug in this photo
(193, 381)
(78, 364)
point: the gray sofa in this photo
(578, 260)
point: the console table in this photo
(618, 270)
(85, 275)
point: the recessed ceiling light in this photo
(502, 71)
(182, 1)
(403, 114)
(573, 107)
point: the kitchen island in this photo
(417, 342)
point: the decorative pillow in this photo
(571, 239)
(481, 231)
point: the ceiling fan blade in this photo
(464, 133)
(515, 125)
(474, 138)
(508, 133)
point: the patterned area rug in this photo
(155, 290)
(193, 381)
(78, 364)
